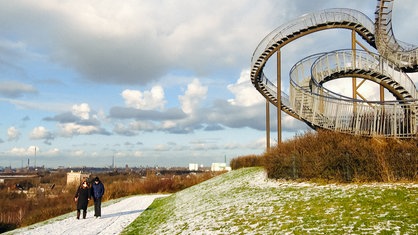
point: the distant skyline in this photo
(148, 83)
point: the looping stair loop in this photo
(321, 108)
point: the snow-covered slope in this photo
(245, 201)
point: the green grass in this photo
(157, 213)
(245, 202)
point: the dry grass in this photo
(246, 161)
(334, 157)
(343, 158)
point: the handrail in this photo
(310, 102)
(341, 15)
(342, 60)
(404, 55)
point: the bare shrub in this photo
(401, 158)
(343, 158)
(245, 161)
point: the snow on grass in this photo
(246, 202)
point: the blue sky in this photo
(148, 83)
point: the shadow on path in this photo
(121, 213)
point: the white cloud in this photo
(168, 124)
(30, 151)
(245, 93)
(13, 133)
(291, 124)
(40, 132)
(98, 18)
(78, 153)
(121, 154)
(162, 147)
(82, 111)
(368, 89)
(194, 94)
(134, 42)
(260, 142)
(70, 129)
(147, 100)
(18, 151)
(51, 152)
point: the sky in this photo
(148, 83)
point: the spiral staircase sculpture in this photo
(310, 102)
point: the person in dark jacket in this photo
(97, 191)
(82, 197)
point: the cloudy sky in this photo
(148, 83)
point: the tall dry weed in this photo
(339, 157)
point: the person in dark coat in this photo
(97, 191)
(82, 197)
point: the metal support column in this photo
(279, 98)
(267, 124)
(354, 80)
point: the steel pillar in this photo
(279, 98)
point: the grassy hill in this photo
(245, 202)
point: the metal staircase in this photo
(321, 108)
(404, 55)
(334, 65)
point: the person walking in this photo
(82, 197)
(97, 191)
